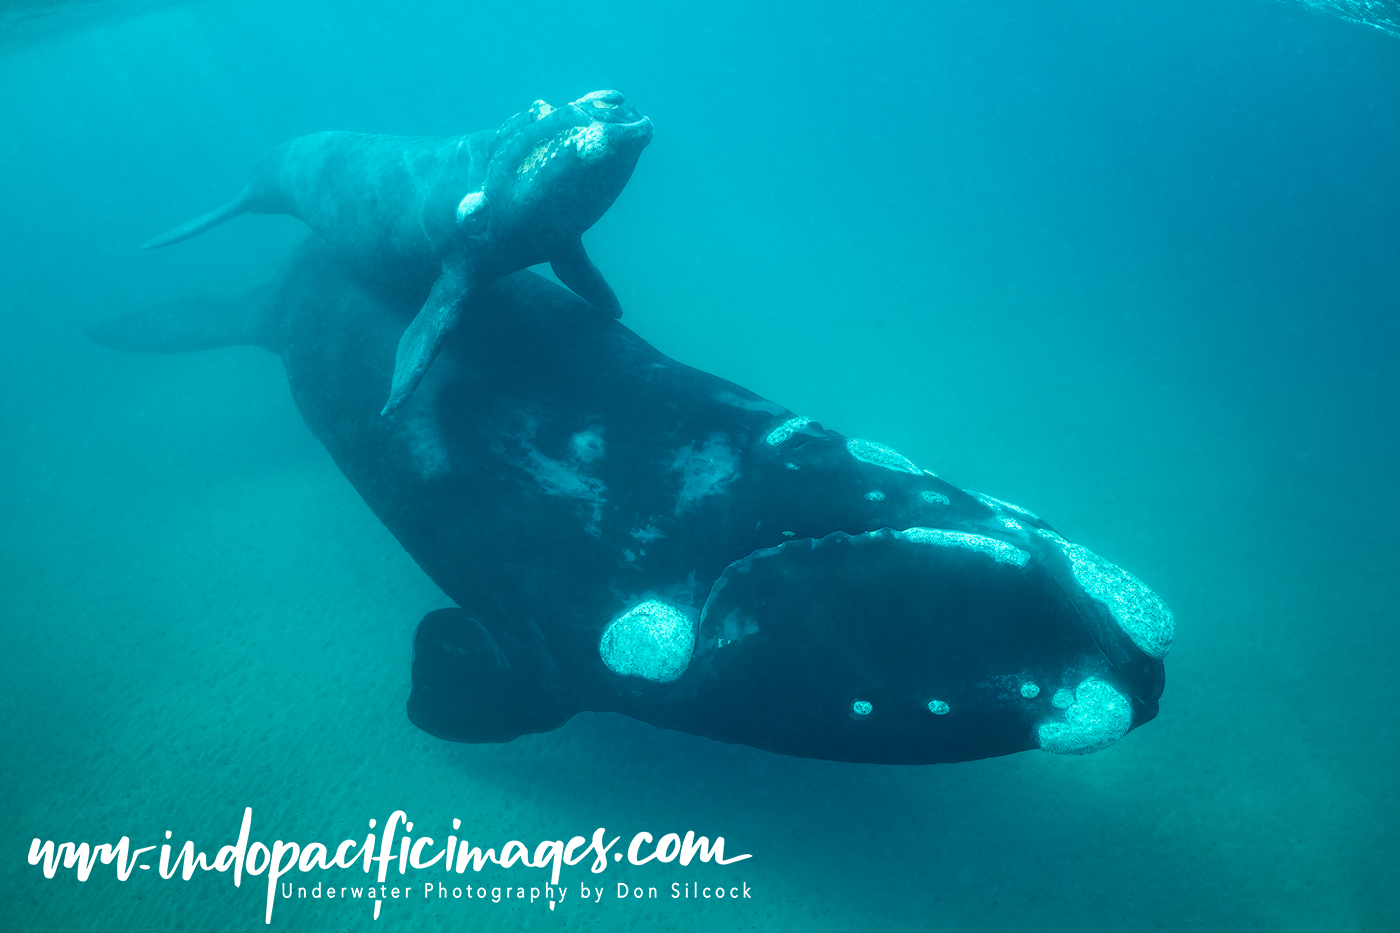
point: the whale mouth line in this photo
(933, 544)
(610, 127)
(999, 549)
(626, 126)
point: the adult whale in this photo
(625, 533)
(454, 212)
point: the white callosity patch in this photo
(999, 551)
(862, 707)
(1062, 698)
(1010, 523)
(938, 707)
(470, 205)
(591, 141)
(1098, 717)
(1029, 690)
(875, 495)
(934, 498)
(704, 472)
(652, 640)
(535, 159)
(1138, 611)
(880, 455)
(785, 430)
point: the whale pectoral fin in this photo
(421, 341)
(577, 271)
(469, 686)
(238, 205)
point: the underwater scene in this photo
(728, 466)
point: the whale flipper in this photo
(471, 686)
(577, 271)
(421, 341)
(239, 205)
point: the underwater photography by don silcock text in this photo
(747, 466)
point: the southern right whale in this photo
(625, 533)
(456, 212)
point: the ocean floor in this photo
(200, 615)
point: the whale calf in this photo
(456, 212)
(621, 532)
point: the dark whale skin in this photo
(564, 483)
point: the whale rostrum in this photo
(450, 215)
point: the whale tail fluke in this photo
(472, 686)
(190, 324)
(238, 205)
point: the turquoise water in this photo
(1132, 266)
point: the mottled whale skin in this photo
(456, 212)
(625, 533)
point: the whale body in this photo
(454, 212)
(621, 532)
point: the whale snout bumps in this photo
(609, 107)
(596, 128)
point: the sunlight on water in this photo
(1380, 14)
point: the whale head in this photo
(902, 620)
(917, 646)
(556, 170)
